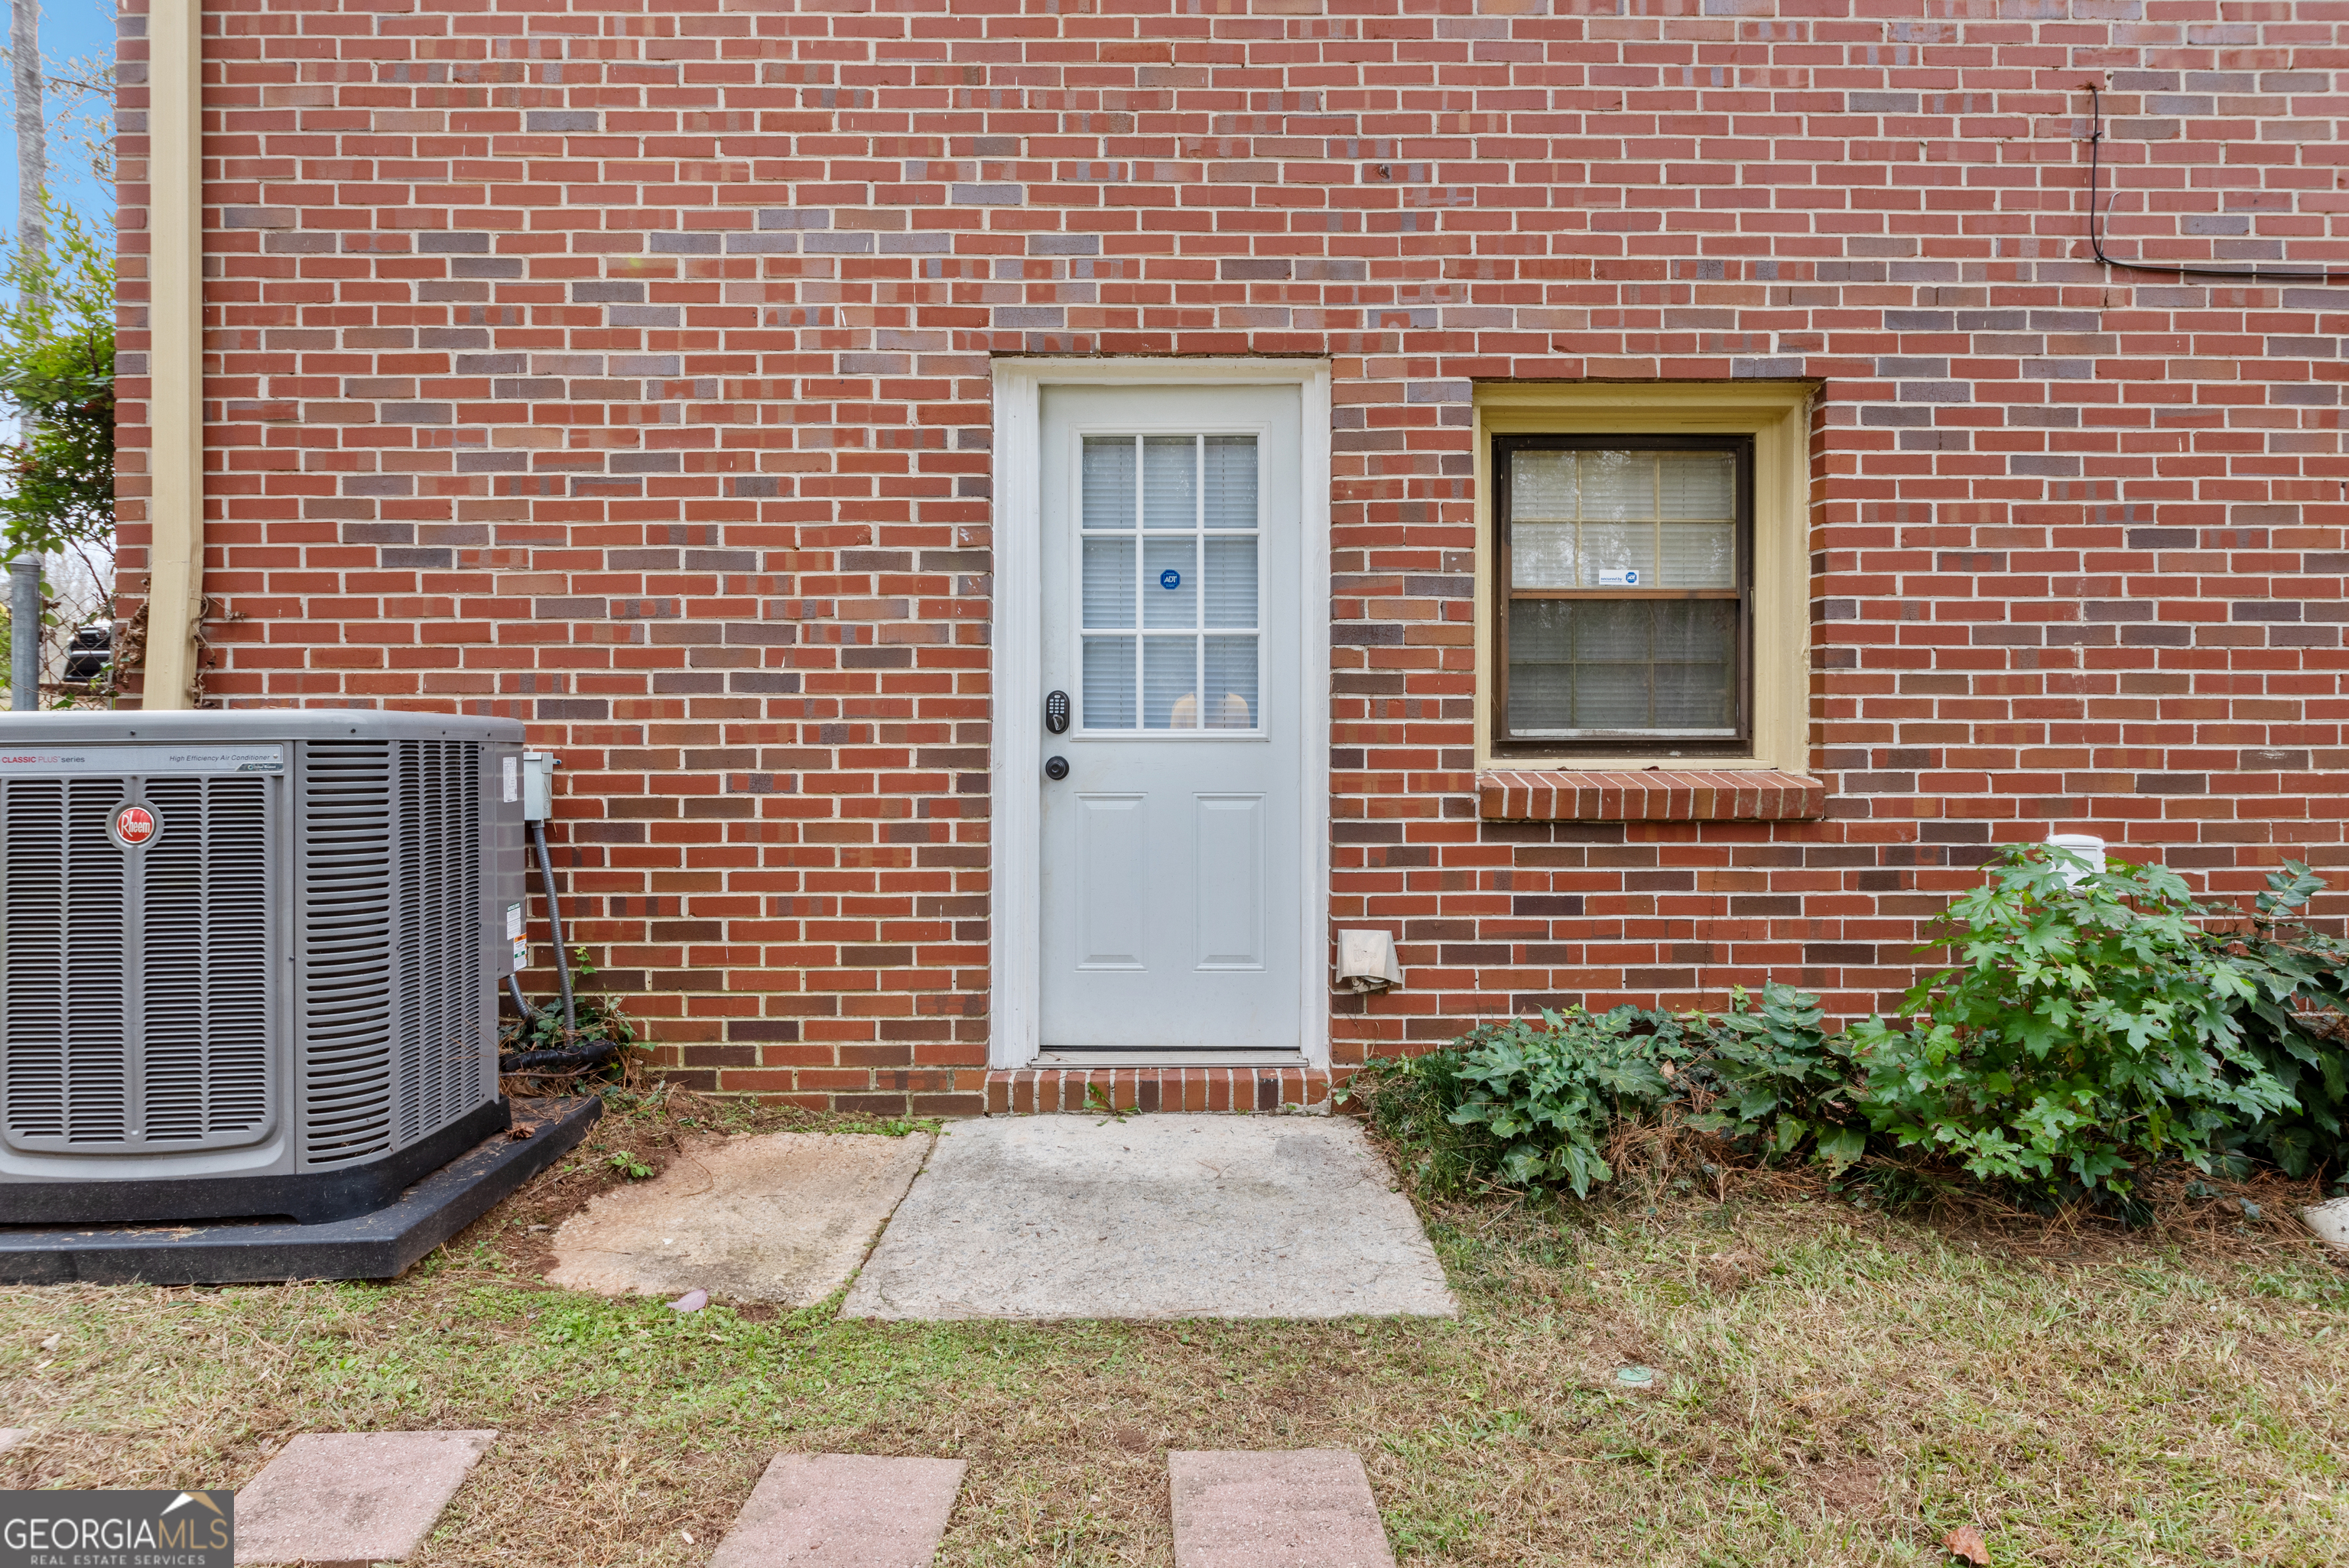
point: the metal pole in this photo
(24, 633)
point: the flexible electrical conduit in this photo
(2096, 221)
(568, 1058)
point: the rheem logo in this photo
(135, 825)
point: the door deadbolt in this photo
(1056, 712)
(1056, 768)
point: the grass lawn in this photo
(1835, 1386)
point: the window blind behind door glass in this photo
(1169, 546)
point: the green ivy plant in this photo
(2089, 1028)
(2294, 1022)
(600, 1017)
(1549, 1094)
(1781, 1080)
(1534, 1102)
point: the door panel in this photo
(1113, 881)
(1171, 876)
(1228, 880)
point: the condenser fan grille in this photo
(134, 983)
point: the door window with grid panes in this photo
(1169, 583)
(1624, 581)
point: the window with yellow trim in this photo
(1642, 575)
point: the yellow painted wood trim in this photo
(1777, 414)
(175, 353)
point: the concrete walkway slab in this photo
(1299, 1508)
(843, 1511)
(332, 1499)
(1156, 1217)
(785, 1217)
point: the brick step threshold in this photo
(1156, 1087)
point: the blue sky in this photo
(70, 28)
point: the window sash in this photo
(1594, 536)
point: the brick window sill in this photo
(1653, 795)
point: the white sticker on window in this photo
(1627, 578)
(509, 770)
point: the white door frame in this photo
(1016, 639)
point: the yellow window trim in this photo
(1777, 414)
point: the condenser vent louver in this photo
(137, 988)
(440, 832)
(347, 922)
(390, 893)
(261, 948)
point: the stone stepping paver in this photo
(785, 1218)
(332, 1499)
(843, 1511)
(1159, 1217)
(1300, 1508)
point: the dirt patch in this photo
(1726, 1273)
(1851, 1490)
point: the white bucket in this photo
(2084, 847)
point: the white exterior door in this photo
(1171, 879)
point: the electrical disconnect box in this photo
(538, 785)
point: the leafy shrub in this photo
(2089, 1030)
(1549, 1095)
(1780, 1079)
(2086, 1032)
(602, 1021)
(2293, 1025)
(1536, 1102)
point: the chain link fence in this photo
(77, 628)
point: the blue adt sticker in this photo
(1170, 578)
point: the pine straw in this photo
(1837, 1384)
(635, 1078)
(1665, 1162)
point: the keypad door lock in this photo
(1056, 768)
(1056, 712)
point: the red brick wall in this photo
(623, 367)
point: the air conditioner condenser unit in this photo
(249, 960)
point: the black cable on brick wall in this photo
(2173, 269)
